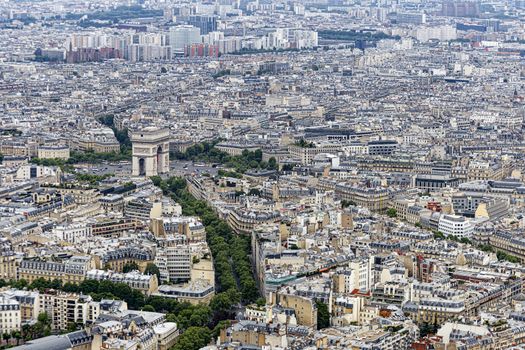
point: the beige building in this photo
(116, 259)
(485, 170)
(97, 146)
(401, 206)
(198, 292)
(234, 149)
(14, 149)
(53, 152)
(66, 308)
(70, 271)
(81, 195)
(10, 316)
(115, 227)
(244, 221)
(73, 308)
(8, 266)
(147, 284)
(508, 243)
(167, 334)
(254, 334)
(307, 154)
(29, 302)
(305, 308)
(203, 270)
(375, 199)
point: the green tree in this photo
(20, 284)
(288, 167)
(438, 235)
(465, 240)
(148, 308)
(6, 336)
(157, 180)
(71, 327)
(345, 203)
(428, 329)
(391, 212)
(453, 238)
(254, 192)
(131, 266)
(305, 144)
(504, 256)
(70, 287)
(28, 332)
(43, 318)
(486, 248)
(323, 316)
(222, 304)
(43, 325)
(152, 269)
(106, 286)
(220, 326)
(42, 284)
(272, 163)
(89, 286)
(17, 335)
(193, 338)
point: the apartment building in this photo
(244, 221)
(166, 334)
(256, 335)
(509, 243)
(8, 268)
(304, 307)
(434, 310)
(67, 308)
(116, 259)
(306, 155)
(375, 199)
(115, 227)
(358, 276)
(29, 302)
(195, 292)
(53, 152)
(10, 315)
(72, 270)
(136, 280)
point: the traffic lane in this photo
(176, 167)
(185, 168)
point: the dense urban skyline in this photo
(233, 174)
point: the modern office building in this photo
(455, 225)
(411, 17)
(182, 36)
(206, 24)
(174, 263)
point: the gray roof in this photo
(55, 342)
